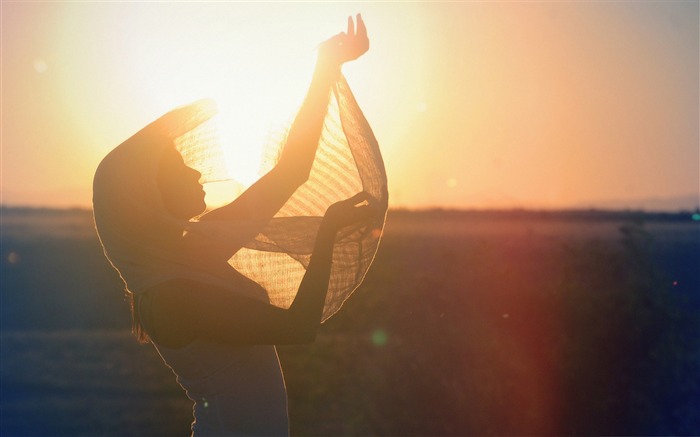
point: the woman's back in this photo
(237, 390)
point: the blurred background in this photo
(538, 274)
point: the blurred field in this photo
(487, 323)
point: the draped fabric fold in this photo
(137, 232)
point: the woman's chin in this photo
(201, 210)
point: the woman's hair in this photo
(136, 326)
(133, 225)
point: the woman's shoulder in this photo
(183, 299)
(223, 277)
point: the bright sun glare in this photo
(255, 64)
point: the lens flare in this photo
(379, 337)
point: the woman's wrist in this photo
(327, 68)
(323, 247)
(327, 230)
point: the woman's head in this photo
(180, 190)
(144, 194)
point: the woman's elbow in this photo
(293, 340)
(304, 336)
(308, 336)
(299, 332)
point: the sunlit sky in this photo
(475, 104)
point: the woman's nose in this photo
(195, 173)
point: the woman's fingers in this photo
(358, 198)
(363, 211)
(358, 31)
(361, 29)
(360, 42)
(359, 207)
(348, 45)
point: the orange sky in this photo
(478, 104)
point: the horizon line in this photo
(444, 209)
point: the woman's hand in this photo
(345, 46)
(347, 212)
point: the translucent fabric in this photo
(148, 246)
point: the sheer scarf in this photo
(147, 245)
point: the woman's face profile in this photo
(182, 194)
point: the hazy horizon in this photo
(689, 202)
(670, 205)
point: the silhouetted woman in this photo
(215, 292)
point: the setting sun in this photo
(256, 75)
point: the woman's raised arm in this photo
(264, 198)
(300, 148)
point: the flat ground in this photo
(467, 324)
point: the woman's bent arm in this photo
(177, 311)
